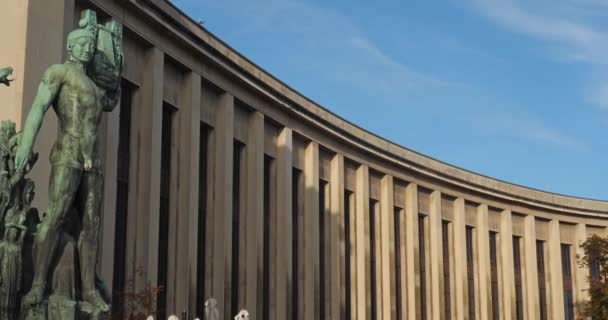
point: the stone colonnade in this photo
(223, 182)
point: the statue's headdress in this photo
(88, 27)
(88, 32)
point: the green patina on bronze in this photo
(4, 74)
(79, 90)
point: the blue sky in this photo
(513, 89)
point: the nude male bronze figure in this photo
(76, 177)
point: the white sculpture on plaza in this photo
(211, 312)
(243, 315)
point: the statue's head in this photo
(81, 45)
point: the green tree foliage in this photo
(596, 260)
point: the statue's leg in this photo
(62, 189)
(88, 242)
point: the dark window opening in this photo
(470, 272)
(542, 287)
(122, 198)
(422, 261)
(295, 211)
(165, 192)
(494, 276)
(202, 218)
(373, 210)
(519, 309)
(398, 280)
(237, 158)
(347, 253)
(268, 166)
(445, 239)
(322, 246)
(567, 274)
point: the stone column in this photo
(412, 258)
(580, 274)
(109, 140)
(459, 258)
(530, 269)
(383, 273)
(283, 277)
(483, 262)
(556, 290)
(506, 260)
(436, 257)
(185, 253)
(311, 233)
(336, 302)
(144, 169)
(361, 211)
(220, 218)
(252, 245)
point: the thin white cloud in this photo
(383, 59)
(581, 42)
(528, 128)
(338, 47)
(600, 96)
(565, 26)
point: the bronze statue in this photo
(79, 92)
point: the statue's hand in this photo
(22, 157)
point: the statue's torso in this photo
(79, 113)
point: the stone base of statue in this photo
(64, 302)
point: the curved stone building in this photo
(224, 182)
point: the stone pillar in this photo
(412, 265)
(311, 233)
(283, 278)
(144, 169)
(506, 265)
(252, 231)
(436, 257)
(186, 253)
(530, 269)
(556, 281)
(220, 218)
(580, 274)
(109, 140)
(483, 263)
(459, 258)
(361, 211)
(336, 303)
(383, 271)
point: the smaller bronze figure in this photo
(16, 195)
(11, 250)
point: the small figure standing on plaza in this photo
(79, 90)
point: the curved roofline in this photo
(253, 70)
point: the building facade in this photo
(223, 182)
